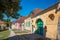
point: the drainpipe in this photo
(31, 22)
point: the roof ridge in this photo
(49, 8)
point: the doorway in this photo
(39, 23)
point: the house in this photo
(13, 25)
(2, 25)
(45, 22)
(28, 21)
(18, 24)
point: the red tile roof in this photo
(21, 20)
(48, 9)
(1, 22)
(35, 12)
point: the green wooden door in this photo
(39, 26)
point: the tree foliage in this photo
(9, 8)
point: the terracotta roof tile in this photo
(1, 22)
(54, 6)
(35, 12)
(21, 20)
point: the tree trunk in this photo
(8, 22)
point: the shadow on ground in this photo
(33, 36)
(27, 37)
(3, 30)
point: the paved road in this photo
(25, 37)
(13, 36)
(11, 33)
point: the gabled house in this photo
(18, 23)
(2, 25)
(45, 22)
(28, 20)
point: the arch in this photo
(39, 24)
(39, 20)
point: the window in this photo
(51, 16)
(28, 23)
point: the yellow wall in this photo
(26, 20)
(51, 24)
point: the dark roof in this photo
(21, 20)
(34, 12)
(48, 9)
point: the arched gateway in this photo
(39, 24)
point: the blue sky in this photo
(29, 5)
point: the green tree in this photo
(10, 8)
(7, 22)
